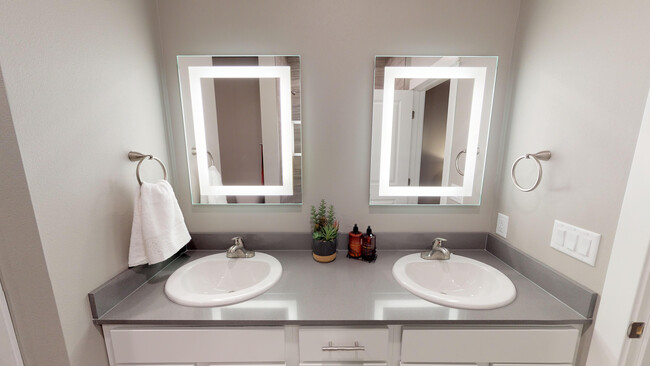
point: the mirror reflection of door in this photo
(420, 156)
(427, 151)
(422, 123)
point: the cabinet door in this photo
(156, 364)
(187, 346)
(503, 346)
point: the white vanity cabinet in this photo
(382, 345)
(496, 347)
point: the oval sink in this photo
(459, 282)
(216, 280)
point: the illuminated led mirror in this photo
(429, 113)
(243, 128)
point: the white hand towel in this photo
(158, 229)
(215, 180)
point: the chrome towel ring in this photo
(136, 156)
(542, 155)
(462, 174)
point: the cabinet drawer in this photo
(340, 363)
(529, 364)
(501, 345)
(190, 345)
(446, 364)
(314, 344)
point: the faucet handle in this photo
(239, 241)
(438, 242)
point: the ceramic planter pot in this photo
(323, 251)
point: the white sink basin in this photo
(459, 282)
(216, 280)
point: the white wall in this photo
(582, 71)
(337, 41)
(84, 88)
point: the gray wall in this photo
(434, 130)
(23, 270)
(84, 88)
(434, 133)
(239, 125)
(240, 130)
(337, 41)
(581, 77)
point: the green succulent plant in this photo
(324, 224)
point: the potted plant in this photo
(324, 231)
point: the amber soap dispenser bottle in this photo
(354, 242)
(369, 246)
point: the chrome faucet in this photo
(237, 250)
(437, 252)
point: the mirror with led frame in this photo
(242, 128)
(430, 125)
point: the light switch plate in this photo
(502, 225)
(574, 241)
(570, 240)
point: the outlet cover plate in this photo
(502, 225)
(576, 242)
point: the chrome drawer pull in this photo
(356, 347)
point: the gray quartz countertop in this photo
(343, 292)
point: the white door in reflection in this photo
(401, 162)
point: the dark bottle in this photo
(354, 242)
(368, 245)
